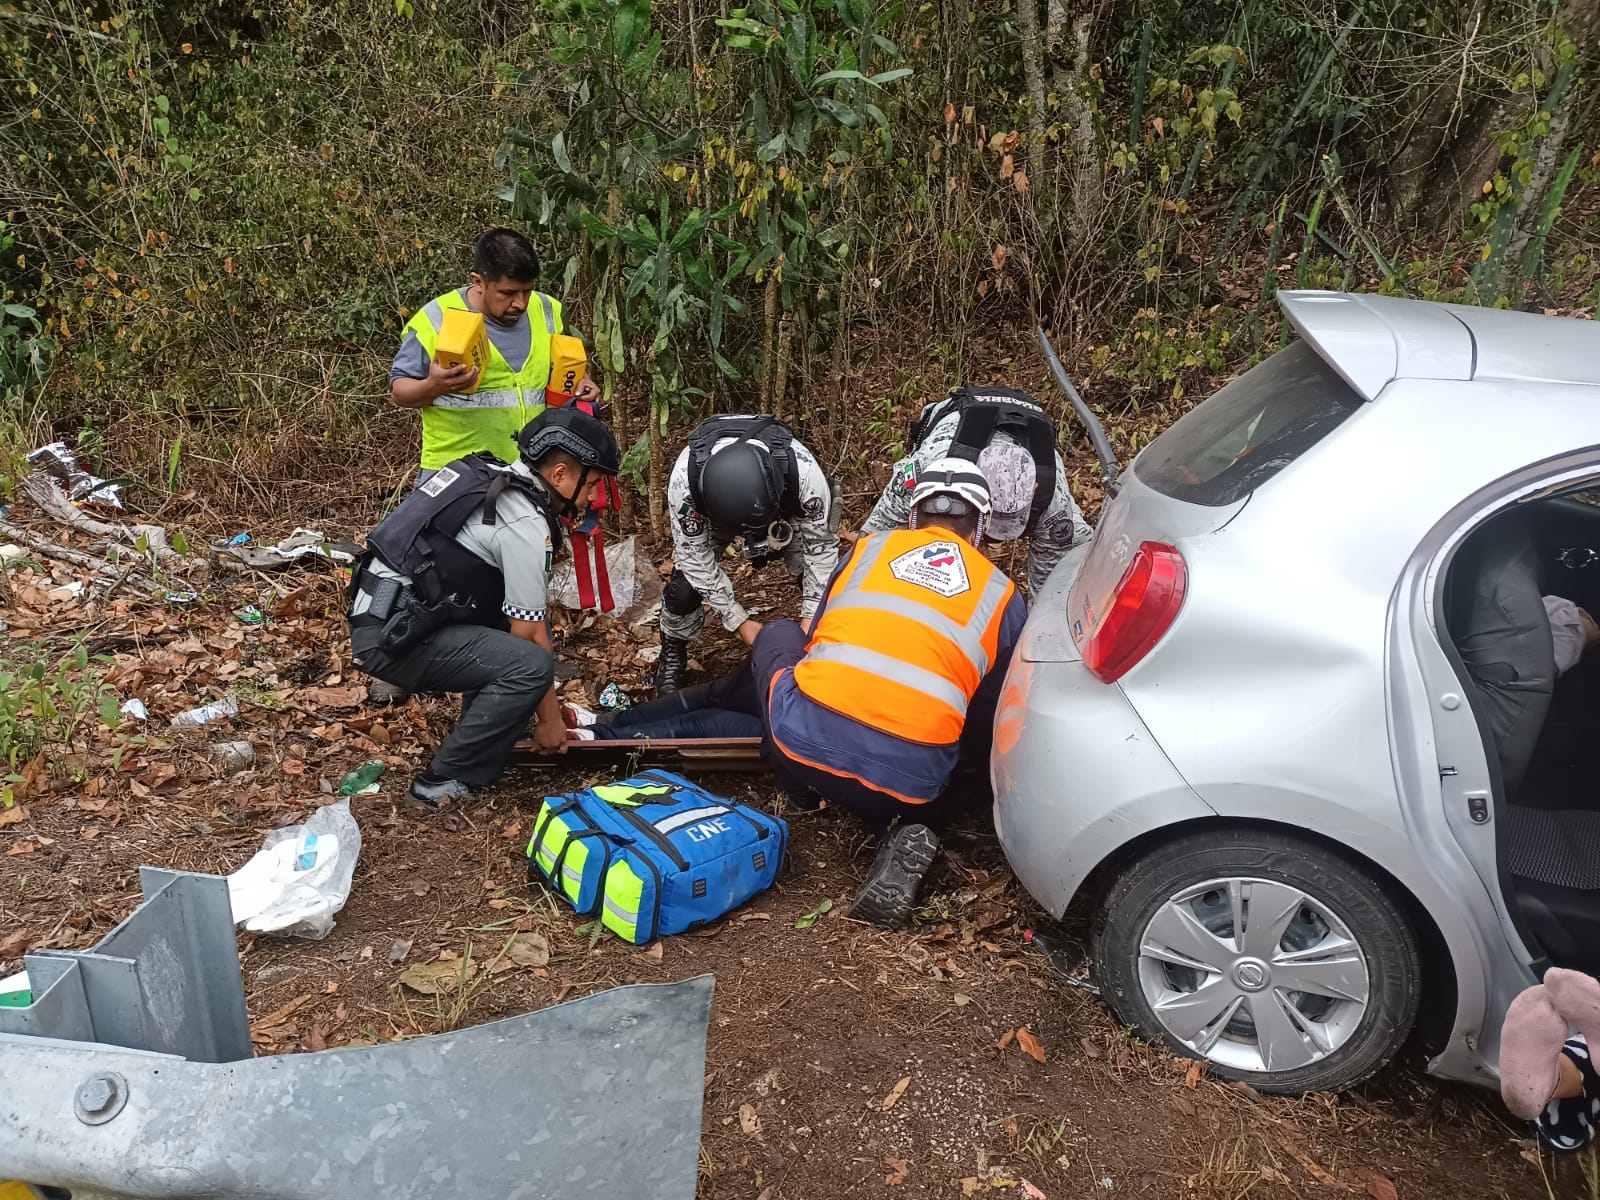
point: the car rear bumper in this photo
(1076, 776)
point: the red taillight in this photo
(1139, 611)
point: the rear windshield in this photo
(1228, 446)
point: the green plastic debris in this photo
(363, 780)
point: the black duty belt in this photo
(376, 598)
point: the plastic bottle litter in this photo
(234, 756)
(207, 713)
(15, 991)
(614, 698)
(251, 615)
(363, 781)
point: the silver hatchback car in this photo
(1289, 726)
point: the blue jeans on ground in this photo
(733, 706)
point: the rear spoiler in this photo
(1097, 435)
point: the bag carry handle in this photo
(557, 868)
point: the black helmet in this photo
(739, 488)
(581, 435)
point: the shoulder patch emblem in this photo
(938, 566)
(690, 521)
(906, 477)
(813, 508)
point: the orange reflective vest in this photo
(907, 634)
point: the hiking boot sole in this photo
(890, 895)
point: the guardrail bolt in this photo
(99, 1098)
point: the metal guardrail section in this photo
(131, 1075)
(596, 1097)
(166, 979)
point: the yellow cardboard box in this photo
(463, 341)
(569, 362)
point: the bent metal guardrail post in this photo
(597, 1097)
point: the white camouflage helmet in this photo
(1012, 480)
(953, 487)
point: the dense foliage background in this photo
(218, 215)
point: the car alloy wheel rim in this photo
(1253, 974)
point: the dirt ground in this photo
(814, 1030)
(842, 1061)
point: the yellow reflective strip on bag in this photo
(572, 872)
(622, 894)
(630, 796)
(548, 850)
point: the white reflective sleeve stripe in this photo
(679, 820)
(875, 663)
(500, 398)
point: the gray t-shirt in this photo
(515, 343)
(518, 543)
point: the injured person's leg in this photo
(715, 723)
(723, 708)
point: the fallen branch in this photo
(43, 492)
(98, 567)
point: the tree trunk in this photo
(1412, 168)
(780, 382)
(955, 38)
(1055, 42)
(655, 483)
(1033, 75)
(1545, 164)
(622, 416)
(1441, 159)
(1088, 183)
(769, 340)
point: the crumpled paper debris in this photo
(59, 462)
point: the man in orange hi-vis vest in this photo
(898, 681)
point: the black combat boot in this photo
(673, 665)
(890, 893)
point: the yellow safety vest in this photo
(490, 418)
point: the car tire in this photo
(1158, 900)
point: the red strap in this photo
(580, 564)
(589, 577)
(592, 578)
(602, 572)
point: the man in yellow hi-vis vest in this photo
(520, 322)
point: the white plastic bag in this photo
(634, 583)
(300, 877)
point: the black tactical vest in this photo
(986, 411)
(772, 433)
(418, 538)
